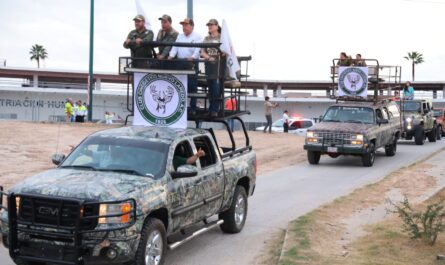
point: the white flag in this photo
(227, 48)
(140, 11)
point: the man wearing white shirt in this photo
(285, 122)
(189, 53)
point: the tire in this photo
(432, 135)
(235, 217)
(439, 133)
(154, 241)
(419, 136)
(313, 157)
(368, 158)
(391, 149)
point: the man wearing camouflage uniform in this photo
(137, 41)
(166, 34)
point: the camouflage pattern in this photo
(381, 134)
(217, 181)
(423, 117)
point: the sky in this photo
(287, 39)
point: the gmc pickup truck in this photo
(125, 195)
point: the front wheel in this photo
(153, 243)
(235, 217)
(313, 157)
(369, 157)
(391, 149)
(432, 135)
(419, 136)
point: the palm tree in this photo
(416, 57)
(38, 52)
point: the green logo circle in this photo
(160, 99)
(354, 76)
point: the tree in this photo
(416, 58)
(38, 52)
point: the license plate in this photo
(332, 150)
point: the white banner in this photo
(353, 81)
(140, 11)
(160, 99)
(227, 48)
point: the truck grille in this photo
(334, 138)
(57, 213)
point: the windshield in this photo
(349, 114)
(437, 113)
(137, 157)
(410, 106)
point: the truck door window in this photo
(379, 114)
(205, 144)
(182, 152)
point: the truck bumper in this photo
(342, 150)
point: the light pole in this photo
(90, 75)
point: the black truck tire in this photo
(369, 157)
(419, 136)
(313, 157)
(432, 135)
(154, 240)
(235, 217)
(391, 149)
(439, 133)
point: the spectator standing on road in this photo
(214, 67)
(268, 106)
(285, 122)
(69, 110)
(137, 41)
(408, 91)
(166, 34)
(190, 54)
(109, 117)
(81, 111)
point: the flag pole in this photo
(90, 75)
(190, 9)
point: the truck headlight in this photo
(17, 204)
(409, 120)
(117, 213)
(357, 139)
(312, 137)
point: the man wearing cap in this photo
(189, 53)
(166, 34)
(137, 41)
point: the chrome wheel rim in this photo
(153, 249)
(240, 210)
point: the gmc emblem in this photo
(48, 211)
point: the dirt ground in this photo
(26, 147)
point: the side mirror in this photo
(57, 158)
(383, 121)
(320, 118)
(184, 171)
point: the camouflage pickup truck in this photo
(125, 195)
(355, 128)
(419, 120)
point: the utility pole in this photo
(90, 76)
(190, 9)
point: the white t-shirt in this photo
(285, 118)
(186, 52)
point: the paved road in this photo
(282, 196)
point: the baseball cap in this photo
(139, 17)
(187, 21)
(212, 21)
(166, 17)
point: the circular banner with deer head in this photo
(160, 99)
(353, 81)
